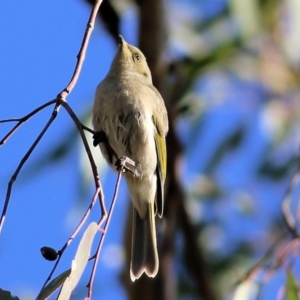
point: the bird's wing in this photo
(163, 125)
(160, 144)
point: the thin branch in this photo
(61, 98)
(276, 262)
(81, 54)
(22, 162)
(281, 260)
(87, 129)
(292, 227)
(89, 154)
(259, 264)
(61, 101)
(96, 256)
(98, 193)
(71, 238)
(290, 246)
(22, 120)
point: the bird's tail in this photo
(144, 256)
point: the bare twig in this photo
(82, 51)
(259, 264)
(283, 253)
(61, 98)
(98, 192)
(22, 120)
(89, 154)
(87, 129)
(277, 260)
(280, 260)
(96, 256)
(61, 101)
(23, 160)
(70, 239)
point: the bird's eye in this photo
(136, 58)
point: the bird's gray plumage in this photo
(132, 114)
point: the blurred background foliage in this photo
(229, 73)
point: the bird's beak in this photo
(122, 42)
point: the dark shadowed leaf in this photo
(6, 295)
(53, 285)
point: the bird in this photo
(130, 121)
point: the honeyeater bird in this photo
(130, 120)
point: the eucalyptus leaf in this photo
(79, 263)
(53, 285)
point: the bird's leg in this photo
(124, 162)
(127, 164)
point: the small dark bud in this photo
(49, 253)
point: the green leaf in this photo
(6, 295)
(53, 285)
(291, 287)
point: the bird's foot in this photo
(126, 164)
(123, 163)
(99, 137)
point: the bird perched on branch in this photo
(130, 122)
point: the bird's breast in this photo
(128, 125)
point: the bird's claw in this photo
(99, 137)
(126, 164)
(123, 163)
